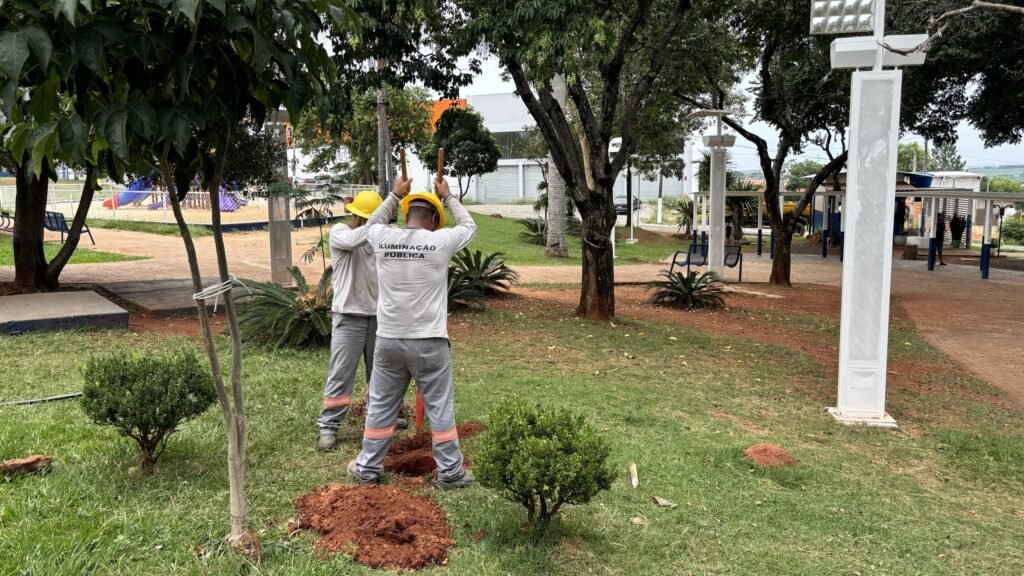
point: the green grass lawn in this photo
(941, 497)
(82, 255)
(148, 227)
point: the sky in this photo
(744, 154)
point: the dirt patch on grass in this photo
(381, 526)
(739, 422)
(414, 456)
(174, 325)
(769, 456)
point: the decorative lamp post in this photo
(719, 145)
(870, 198)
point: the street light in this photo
(719, 145)
(842, 17)
(870, 200)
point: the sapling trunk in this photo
(232, 408)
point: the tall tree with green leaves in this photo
(399, 43)
(947, 158)
(534, 42)
(910, 157)
(972, 71)
(349, 144)
(469, 147)
(188, 76)
(57, 108)
(797, 93)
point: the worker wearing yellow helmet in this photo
(354, 308)
(412, 329)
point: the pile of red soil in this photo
(414, 456)
(381, 526)
(769, 456)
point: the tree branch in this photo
(643, 87)
(551, 121)
(943, 22)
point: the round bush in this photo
(542, 458)
(146, 396)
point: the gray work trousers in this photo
(395, 362)
(352, 337)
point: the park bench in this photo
(697, 255)
(55, 222)
(6, 221)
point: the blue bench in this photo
(697, 255)
(55, 222)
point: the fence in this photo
(118, 203)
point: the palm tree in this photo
(316, 206)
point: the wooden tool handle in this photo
(440, 162)
(401, 158)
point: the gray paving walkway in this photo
(59, 311)
(160, 297)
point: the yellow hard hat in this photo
(426, 197)
(364, 203)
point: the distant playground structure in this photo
(141, 201)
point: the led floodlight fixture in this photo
(842, 16)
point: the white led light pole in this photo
(869, 203)
(719, 145)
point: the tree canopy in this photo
(348, 143)
(470, 149)
(972, 72)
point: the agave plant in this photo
(288, 318)
(686, 291)
(473, 275)
(536, 231)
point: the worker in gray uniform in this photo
(412, 327)
(354, 311)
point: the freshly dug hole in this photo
(414, 456)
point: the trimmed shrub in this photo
(542, 458)
(145, 396)
(1013, 230)
(285, 317)
(686, 291)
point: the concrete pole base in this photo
(885, 421)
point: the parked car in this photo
(621, 208)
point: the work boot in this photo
(328, 440)
(353, 472)
(466, 480)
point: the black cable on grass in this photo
(41, 400)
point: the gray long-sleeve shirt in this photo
(355, 271)
(412, 271)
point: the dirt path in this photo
(976, 323)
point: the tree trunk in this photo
(738, 216)
(241, 541)
(597, 292)
(30, 207)
(557, 209)
(556, 246)
(782, 261)
(56, 265)
(232, 409)
(383, 138)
